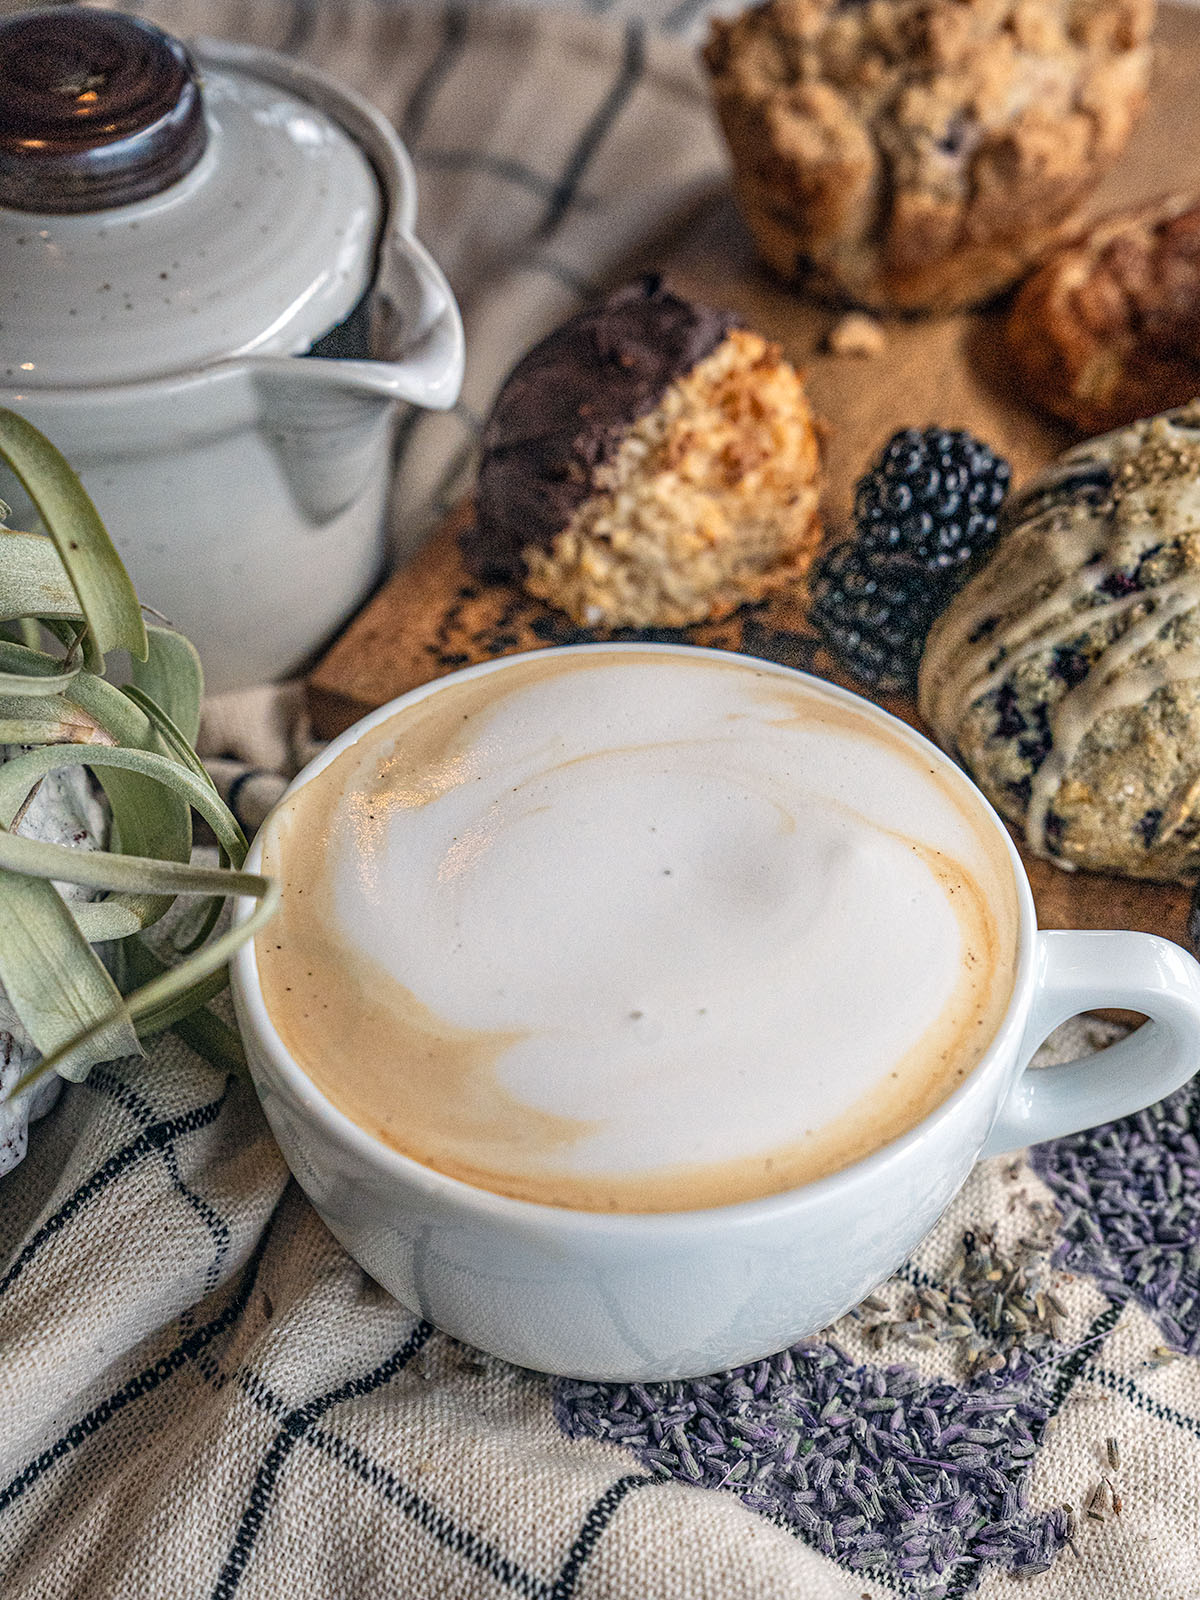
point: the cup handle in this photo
(1075, 972)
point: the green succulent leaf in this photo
(213, 1039)
(148, 820)
(106, 597)
(29, 728)
(103, 921)
(171, 676)
(153, 1000)
(101, 869)
(65, 630)
(33, 580)
(209, 1035)
(171, 737)
(56, 982)
(21, 630)
(67, 584)
(31, 672)
(18, 776)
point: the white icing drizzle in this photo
(1036, 583)
(1030, 558)
(1070, 626)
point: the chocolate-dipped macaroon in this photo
(649, 464)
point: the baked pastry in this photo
(649, 464)
(1066, 674)
(1108, 328)
(921, 154)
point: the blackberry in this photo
(934, 497)
(923, 513)
(874, 615)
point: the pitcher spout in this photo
(416, 327)
(324, 416)
(416, 335)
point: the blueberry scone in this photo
(921, 154)
(1066, 675)
(650, 463)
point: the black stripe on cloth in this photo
(583, 288)
(1075, 1359)
(514, 172)
(1128, 1390)
(680, 15)
(1070, 1362)
(265, 1399)
(434, 1521)
(595, 1525)
(300, 27)
(296, 1424)
(915, 1277)
(420, 102)
(143, 1113)
(155, 1137)
(431, 1519)
(633, 63)
(143, 1383)
(236, 787)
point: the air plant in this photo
(66, 605)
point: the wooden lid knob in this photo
(97, 109)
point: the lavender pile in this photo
(919, 1482)
(991, 1302)
(1130, 1193)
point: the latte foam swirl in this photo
(636, 931)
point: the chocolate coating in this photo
(564, 410)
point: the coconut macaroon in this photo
(1066, 674)
(649, 464)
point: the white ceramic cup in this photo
(629, 1297)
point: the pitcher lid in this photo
(155, 218)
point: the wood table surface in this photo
(432, 617)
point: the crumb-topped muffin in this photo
(1108, 328)
(921, 154)
(1066, 674)
(649, 464)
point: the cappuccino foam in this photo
(636, 931)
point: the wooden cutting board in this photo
(432, 617)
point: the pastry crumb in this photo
(856, 335)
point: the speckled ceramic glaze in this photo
(221, 361)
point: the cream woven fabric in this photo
(201, 1395)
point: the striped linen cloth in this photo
(201, 1395)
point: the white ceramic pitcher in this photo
(213, 303)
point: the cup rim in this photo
(867, 1171)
